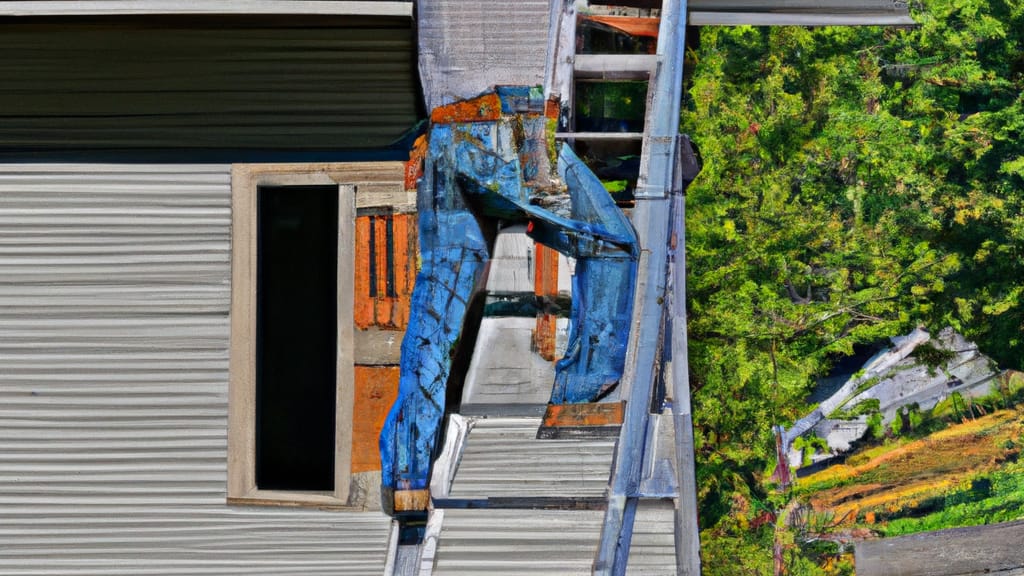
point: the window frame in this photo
(245, 180)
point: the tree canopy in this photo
(857, 182)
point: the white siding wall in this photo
(114, 301)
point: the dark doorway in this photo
(296, 337)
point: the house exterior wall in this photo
(115, 274)
(114, 339)
(217, 88)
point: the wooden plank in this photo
(412, 500)
(486, 108)
(591, 420)
(363, 312)
(375, 391)
(998, 548)
(545, 280)
(382, 301)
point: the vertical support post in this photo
(558, 77)
(545, 286)
(687, 530)
(651, 219)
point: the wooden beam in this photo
(591, 420)
(998, 548)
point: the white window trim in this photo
(361, 185)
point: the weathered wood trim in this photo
(992, 549)
(615, 66)
(241, 390)
(592, 420)
(412, 500)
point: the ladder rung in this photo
(615, 66)
(599, 135)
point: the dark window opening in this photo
(296, 337)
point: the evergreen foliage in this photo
(857, 182)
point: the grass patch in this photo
(902, 474)
(615, 186)
(1001, 499)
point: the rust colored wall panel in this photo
(545, 280)
(375, 391)
(405, 266)
(386, 248)
(363, 313)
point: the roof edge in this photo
(142, 7)
(888, 18)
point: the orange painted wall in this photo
(376, 389)
(545, 284)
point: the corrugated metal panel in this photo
(518, 542)
(516, 381)
(467, 47)
(227, 83)
(503, 458)
(652, 550)
(113, 386)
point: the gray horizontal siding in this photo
(503, 458)
(518, 542)
(114, 304)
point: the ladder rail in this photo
(651, 217)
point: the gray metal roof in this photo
(467, 47)
(518, 542)
(502, 458)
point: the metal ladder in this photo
(667, 164)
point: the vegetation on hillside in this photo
(857, 182)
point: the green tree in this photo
(857, 182)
